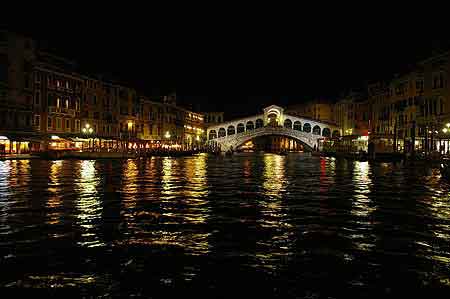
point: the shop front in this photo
(14, 146)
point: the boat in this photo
(444, 167)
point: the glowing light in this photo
(88, 205)
(90, 130)
(55, 199)
(3, 138)
(83, 130)
(55, 137)
(130, 125)
(274, 179)
(362, 205)
(444, 130)
(197, 138)
(87, 126)
(167, 135)
(448, 125)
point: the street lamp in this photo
(445, 131)
(87, 130)
(167, 135)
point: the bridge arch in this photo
(336, 133)
(222, 132)
(316, 130)
(307, 128)
(307, 140)
(250, 126)
(297, 125)
(288, 123)
(231, 130)
(212, 135)
(259, 123)
(240, 128)
(326, 132)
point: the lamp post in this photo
(87, 130)
(167, 136)
(446, 131)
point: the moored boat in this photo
(444, 167)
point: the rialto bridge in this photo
(230, 135)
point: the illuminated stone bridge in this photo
(230, 135)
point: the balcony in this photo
(59, 110)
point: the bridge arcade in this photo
(272, 122)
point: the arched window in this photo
(259, 123)
(316, 130)
(231, 130)
(288, 123)
(222, 132)
(326, 132)
(307, 128)
(212, 134)
(297, 125)
(240, 128)
(336, 133)
(250, 126)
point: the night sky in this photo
(283, 67)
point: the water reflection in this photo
(274, 176)
(197, 209)
(5, 194)
(277, 244)
(196, 190)
(88, 204)
(362, 206)
(130, 193)
(54, 201)
(299, 226)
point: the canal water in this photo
(250, 225)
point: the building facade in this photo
(213, 118)
(17, 56)
(45, 98)
(319, 109)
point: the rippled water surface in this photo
(291, 226)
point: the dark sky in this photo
(282, 66)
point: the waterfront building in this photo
(434, 107)
(46, 101)
(17, 56)
(318, 109)
(213, 118)
(57, 99)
